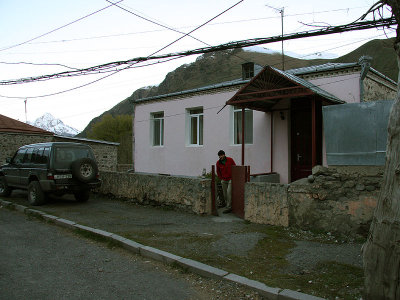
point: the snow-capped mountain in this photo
(50, 123)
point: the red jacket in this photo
(224, 171)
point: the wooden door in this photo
(301, 139)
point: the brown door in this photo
(301, 135)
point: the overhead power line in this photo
(132, 63)
(189, 26)
(58, 28)
(113, 66)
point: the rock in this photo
(311, 178)
(360, 187)
(349, 184)
(370, 188)
(320, 170)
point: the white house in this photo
(181, 133)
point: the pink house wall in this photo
(345, 87)
(176, 158)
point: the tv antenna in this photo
(281, 11)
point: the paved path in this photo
(39, 261)
(189, 235)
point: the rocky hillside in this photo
(223, 66)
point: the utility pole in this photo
(281, 11)
(26, 113)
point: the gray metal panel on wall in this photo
(356, 133)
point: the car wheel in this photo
(35, 194)
(82, 196)
(5, 191)
(84, 169)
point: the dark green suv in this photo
(51, 168)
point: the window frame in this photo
(154, 117)
(236, 138)
(193, 113)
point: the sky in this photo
(44, 37)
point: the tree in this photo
(381, 252)
(115, 129)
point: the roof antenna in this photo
(281, 11)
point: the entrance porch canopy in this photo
(271, 85)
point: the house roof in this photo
(291, 75)
(333, 67)
(322, 68)
(272, 85)
(13, 126)
(201, 89)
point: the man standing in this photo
(224, 172)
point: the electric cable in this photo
(232, 45)
(58, 28)
(134, 62)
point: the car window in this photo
(64, 156)
(34, 155)
(19, 156)
(28, 155)
(45, 155)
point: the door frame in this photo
(313, 110)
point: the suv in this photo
(51, 168)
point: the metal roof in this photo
(205, 88)
(332, 67)
(86, 140)
(321, 68)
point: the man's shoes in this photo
(226, 211)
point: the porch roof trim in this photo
(317, 90)
(301, 88)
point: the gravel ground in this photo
(306, 255)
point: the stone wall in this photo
(336, 199)
(10, 142)
(339, 200)
(377, 88)
(266, 203)
(186, 193)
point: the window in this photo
(19, 156)
(157, 128)
(195, 126)
(28, 156)
(237, 126)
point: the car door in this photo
(12, 170)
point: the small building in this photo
(269, 119)
(14, 134)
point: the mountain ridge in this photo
(217, 67)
